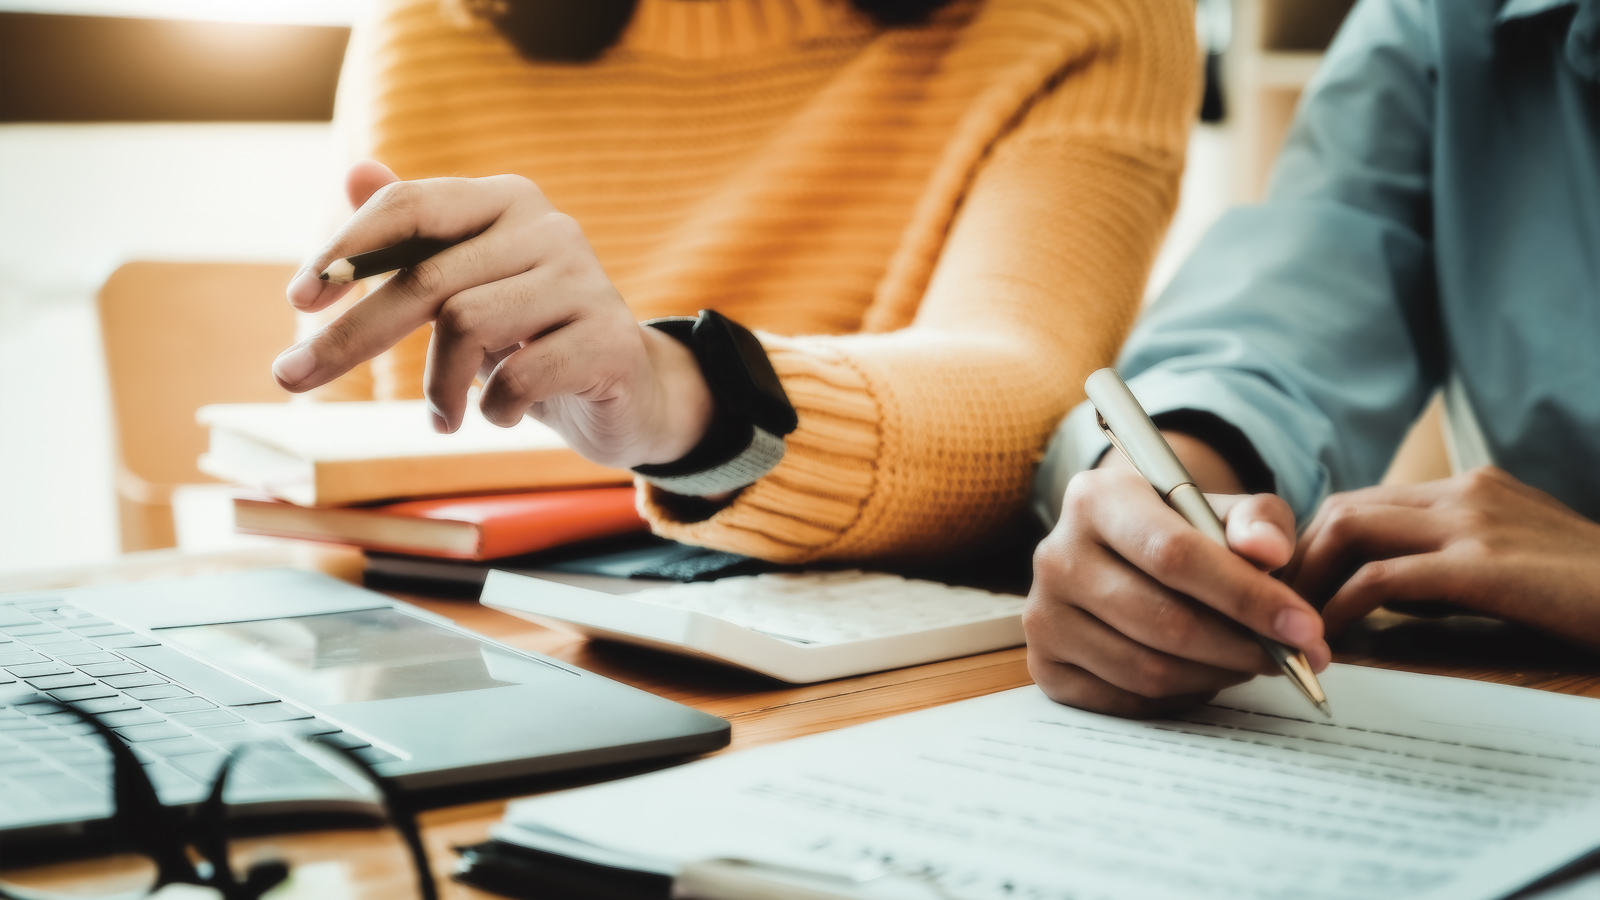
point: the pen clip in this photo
(1112, 437)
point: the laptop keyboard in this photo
(180, 716)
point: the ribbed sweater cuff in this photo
(828, 471)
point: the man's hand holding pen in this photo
(519, 301)
(1135, 612)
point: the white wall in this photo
(76, 201)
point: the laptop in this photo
(187, 670)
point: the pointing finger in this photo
(448, 209)
(400, 306)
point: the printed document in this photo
(1420, 787)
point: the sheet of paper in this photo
(1421, 787)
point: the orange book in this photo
(476, 528)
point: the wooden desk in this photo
(360, 864)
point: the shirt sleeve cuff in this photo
(1227, 440)
(1076, 447)
(1078, 443)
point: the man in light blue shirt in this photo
(1434, 221)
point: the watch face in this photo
(738, 371)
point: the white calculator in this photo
(801, 628)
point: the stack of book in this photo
(376, 476)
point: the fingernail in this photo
(1296, 626)
(305, 288)
(1262, 526)
(440, 424)
(294, 365)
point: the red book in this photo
(484, 527)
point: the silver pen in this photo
(1130, 430)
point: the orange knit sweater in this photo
(939, 231)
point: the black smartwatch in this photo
(752, 412)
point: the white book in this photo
(336, 454)
(1421, 787)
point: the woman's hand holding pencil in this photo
(517, 298)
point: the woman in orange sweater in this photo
(939, 217)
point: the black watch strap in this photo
(752, 413)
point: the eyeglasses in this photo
(169, 838)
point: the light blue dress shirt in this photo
(1435, 216)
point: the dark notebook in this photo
(641, 556)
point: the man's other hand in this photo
(1482, 540)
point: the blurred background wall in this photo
(183, 130)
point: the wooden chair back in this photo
(178, 336)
